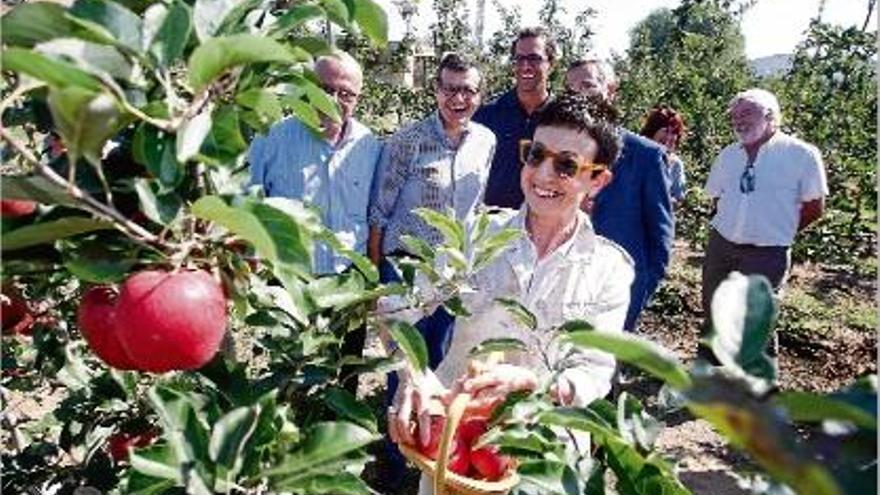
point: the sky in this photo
(770, 27)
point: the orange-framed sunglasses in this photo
(566, 164)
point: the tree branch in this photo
(86, 201)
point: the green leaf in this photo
(320, 100)
(631, 349)
(85, 120)
(411, 342)
(95, 58)
(543, 476)
(229, 436)
(224, 142)
(636, 474)
(157, 462)
(339, 483)
(123, 24)
(810, 407)
(41, 233)
(348, 407)
(275, 234)
(98, 261)
(489, 346)
(338, 291)
(323, 442)
(361, 262)
(160, 208)
(487, 250)
(295, 16)
(170, 34)
(232, 21)
(33, 22)
(519, 312)
(192, 134)
(263, 102)
(743, 314)
(155, 150)
(53, 72)
(216, 55)
(754, 426)
(208, 15)
(418, 247)
(140, 484)
(451, 230)
(304, 112)
(34, 187)
(372, 20)
(337, 11)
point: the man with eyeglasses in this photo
(331, 170)
(766, 187)
(635, 209)
(513, 115)
(440, 162)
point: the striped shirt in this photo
(422, 168)
(294, 162)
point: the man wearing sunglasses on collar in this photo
(766, 187)
(635, 209)
(513, 115)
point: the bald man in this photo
(333, 170)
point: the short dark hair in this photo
(585, 113)
(456, 62)
(661, 117)
(536, 32)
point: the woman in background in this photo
(666, 126)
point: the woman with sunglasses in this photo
(560, 270)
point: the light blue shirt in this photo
(294, 162)
(422, 168)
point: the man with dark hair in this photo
(512, 115)
(440, 162)
(634, 210)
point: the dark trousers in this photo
(724, 257)
(436, 329)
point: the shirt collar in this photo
(578, 249)
(440, 131)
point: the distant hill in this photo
(771, 65)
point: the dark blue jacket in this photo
(505, 117)
(634, 211)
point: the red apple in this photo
(170, 321)
(433, 448)
(13, 208)
(489, 463)
(121, 443)
(460, 460)
(16, 314)
(470, 430)
(96, 320)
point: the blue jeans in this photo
(436, 329)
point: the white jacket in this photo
(586, 278)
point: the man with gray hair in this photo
(635, 209)
(331, 171)
(766, 187)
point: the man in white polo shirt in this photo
(766, 188)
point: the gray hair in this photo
(764, 99)
(341, 57)
(605, 68)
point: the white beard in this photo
(752, 135)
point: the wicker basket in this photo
(449, 483)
